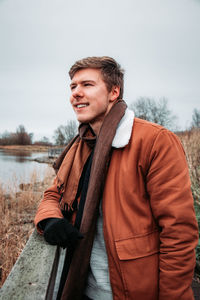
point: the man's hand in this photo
(60, 232)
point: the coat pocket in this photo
(138, 246)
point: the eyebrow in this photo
(82, 82)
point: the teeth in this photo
(81, 105)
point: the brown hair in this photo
(111, 71)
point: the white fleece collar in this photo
(124, 130)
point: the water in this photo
(16, 167)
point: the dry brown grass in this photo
(191, 143)
(17, 212)
(32, 148)
(37, 148)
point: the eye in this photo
(72, 87)
(88, 84)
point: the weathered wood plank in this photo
(31, 276)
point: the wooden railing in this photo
(36, 274)
(54, 152)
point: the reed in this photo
(191, 143)
(17, 212)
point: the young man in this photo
(121, 201)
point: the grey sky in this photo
(157, 42)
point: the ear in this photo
(114, 94)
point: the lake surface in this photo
(16, 167)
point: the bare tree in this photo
(154, 111)
(22, 137)
(196, 118)
(7, 138)
(63, 134)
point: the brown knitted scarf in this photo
(76, 279)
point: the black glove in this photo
(60, 232)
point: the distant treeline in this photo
(144, 107)
(21, 137)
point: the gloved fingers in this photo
(62, 233)
(50, 239)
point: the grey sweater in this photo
(98, 283)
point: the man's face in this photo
(90, 98)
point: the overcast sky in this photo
(157, 42)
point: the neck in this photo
(97, 123)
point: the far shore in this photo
(32, 148)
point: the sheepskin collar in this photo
(124, 130)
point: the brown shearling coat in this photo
(150, 228)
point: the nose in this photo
(77, 92)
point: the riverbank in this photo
(31, 148)
(44, 160)
(17, 213)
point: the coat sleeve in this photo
(49, 207)
(168, 185)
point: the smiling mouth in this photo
(81, 105)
